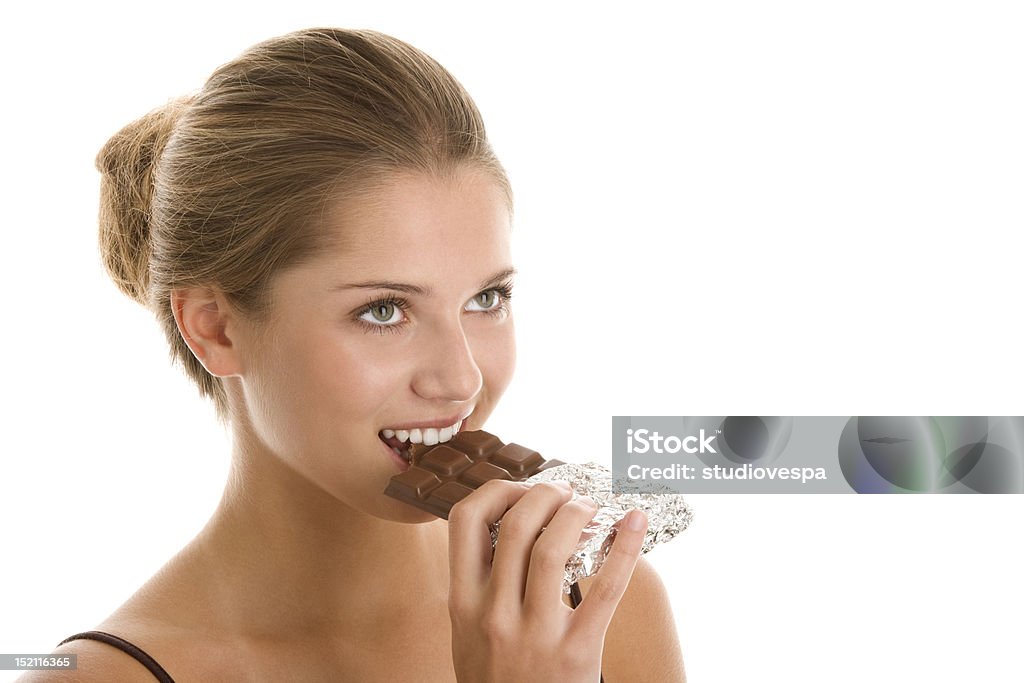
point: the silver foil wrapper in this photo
(668, 515)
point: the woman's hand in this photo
(509, 622)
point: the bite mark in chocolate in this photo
(443, 474)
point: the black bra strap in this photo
(124, 646)
(575, 598)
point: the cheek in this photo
(495, 355)
(351, 374)
(315, 380)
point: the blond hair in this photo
(224, 188)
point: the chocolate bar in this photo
(441, 475)
(444, 474)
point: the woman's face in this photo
(406, 325)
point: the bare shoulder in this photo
(97, 663)
(184, 656)
(641, 643)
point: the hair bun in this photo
(128, 162)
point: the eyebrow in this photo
(494, 280)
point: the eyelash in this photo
(504, 291)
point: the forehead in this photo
(429, 231)
(416, 207)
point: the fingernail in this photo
(636, 520)
(589, 501)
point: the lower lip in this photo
(397, 459)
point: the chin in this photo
(397, 511)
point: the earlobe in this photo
(207, 324)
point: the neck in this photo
(281, 554)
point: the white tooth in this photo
(388, 433)
(402, 434)
(430, 437)
(416, 436)
(458, 426)
(445, 435)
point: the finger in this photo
(593, 615)
(551, 552)
(469, 536)
(520, 528)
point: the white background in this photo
(785, 208)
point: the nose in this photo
(447, 370)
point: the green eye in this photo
(486, 299)
(493, 301)
(383, 311)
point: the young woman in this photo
(323, 232)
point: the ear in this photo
(210, 327)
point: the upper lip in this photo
(427, 424)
